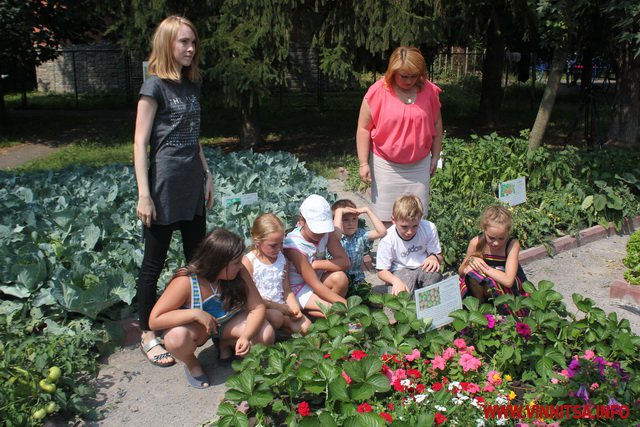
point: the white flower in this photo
(420, 397)
(479, 422)
(501, 421)
(456, 401)
(406, 383)
(441, 408)
(501, 400)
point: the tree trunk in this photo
(491, 95)
(548, 98)
(624, 127)
(250, 133)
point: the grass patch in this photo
(85, 101)
(87, 154)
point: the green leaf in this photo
(379, 382)
(599, 202)
(338, 390)
(244, 382)
(361, 392)
(587, 202)
(260, 399)
(326, 420)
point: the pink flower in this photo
(564, 373)
(415, 354)
(460, 343)
(346, 377)
(588, 354)
(488, 387)
(473, 388)
(439, 362)
(594, 386)
(469, 363)
(494, 377)
(491, 321)
(449, 353)
(358, 354)
(554, 381)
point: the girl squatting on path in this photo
(174, 182)
(490, 268)
(212, 297)
(269, 268)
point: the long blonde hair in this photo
(409, 60)
(492, 216)
(161, 61)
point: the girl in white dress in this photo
(269, 269)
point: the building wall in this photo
(90, 68)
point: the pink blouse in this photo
(402, 133)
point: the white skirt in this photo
(391, 180)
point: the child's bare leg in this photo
(182, 342)
(276, 318)
(337, 281)
(235, 328)
(294, 325)
(312, 307)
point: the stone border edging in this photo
(621, 290)
(587, 235)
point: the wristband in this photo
(364, 164)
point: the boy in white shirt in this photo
(409, 256)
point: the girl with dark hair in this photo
(212, 297)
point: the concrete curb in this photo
(585, 236)
(622, 290)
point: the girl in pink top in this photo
(399, 135)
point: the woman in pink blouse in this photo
(399, 135)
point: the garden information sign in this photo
(438, 300)
(513, 192)
(241, 199)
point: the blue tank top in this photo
(212, 305)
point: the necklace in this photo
(406, 94)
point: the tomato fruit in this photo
(39, 414)
(54, 373)
(47, 386)
(51, 407)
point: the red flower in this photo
(358, 354)
(439, 418)
(397, 386)
(436, 386)
(420, 388)
(386, 417)
(365, 407)
(523, 329)
(414, 373)
(346, 377)
(391, 406)
(327, 356)
(303, 409)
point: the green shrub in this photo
(632, 260)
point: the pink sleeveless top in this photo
(402, 133)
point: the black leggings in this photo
(157, 241)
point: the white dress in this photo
(269, 278)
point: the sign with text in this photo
(438, 300)
(513, 192)
(240, 199)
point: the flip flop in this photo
(196, 382)
(158, 358)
